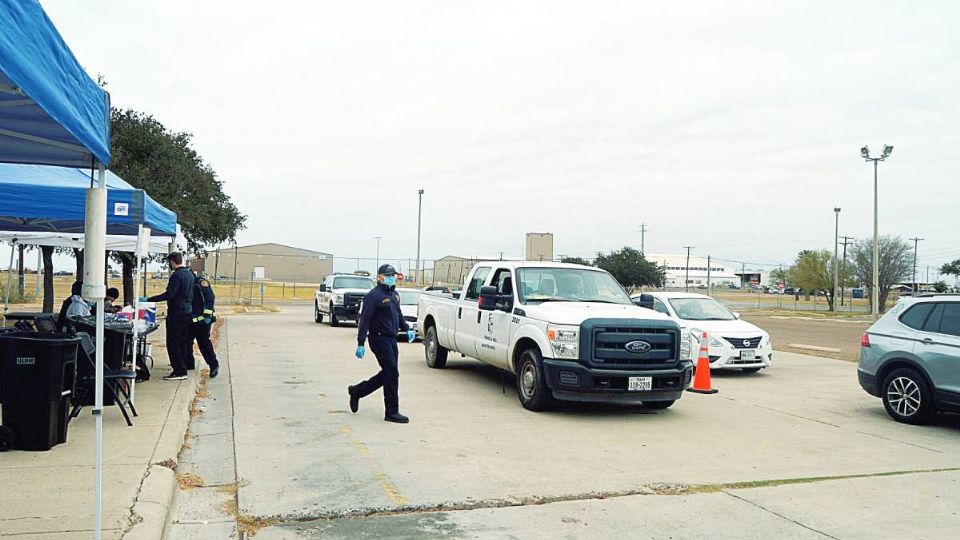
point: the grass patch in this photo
(188, 481)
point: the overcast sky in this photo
(732, 127)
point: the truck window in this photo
(503, 281)
(473, 290)
(660, 306)
(569, 285)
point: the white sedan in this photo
(732, 342)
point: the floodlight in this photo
(865, 152)
(887, 150)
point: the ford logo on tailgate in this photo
(637, 347)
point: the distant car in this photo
(733, 343)
(910, 358)
(409, 302)
(339, 297)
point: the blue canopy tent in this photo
(53, 113)
(51, 199)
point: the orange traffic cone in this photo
(701, 380)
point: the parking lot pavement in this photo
(837, 338)
(302, 456)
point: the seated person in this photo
(75, 306)
(112, 294)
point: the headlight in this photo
(565, 341)
(714, 342)
(685, 346)
(337, 299)
(766, 341)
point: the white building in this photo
(676, 271)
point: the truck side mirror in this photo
(644, 301)
(488, 298)
(323, 287)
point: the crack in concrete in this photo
(791, 520)
(661, 489)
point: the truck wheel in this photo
(317, 316)
(657, 405)
(907, 397)
(436, 354)
(531, 383)
(334, 322)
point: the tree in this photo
(778, 275)
(47, 253)
(941, 287)
(162, 162)
(631, 269)
(575, 260)
(896, 263)
(813, 271)
(951, 268)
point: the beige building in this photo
(539, 247)
(271, 262)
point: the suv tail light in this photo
(865, 340)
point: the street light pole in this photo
(875, 290)
(378, 251)
(915, 242)
(686, 280)
(643, 238)
(419, 214)
(836, 260)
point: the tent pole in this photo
(6, 301)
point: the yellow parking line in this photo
(388, 487)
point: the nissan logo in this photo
(637, 347)
(746, 343)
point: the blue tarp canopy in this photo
(52, 112)
(52, 199)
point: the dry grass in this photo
(188, 481)
(168, 463)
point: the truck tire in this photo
(334, 322)
(317, 316)
(907, 397)
(657, 405)
(532, 387)
(435, 353)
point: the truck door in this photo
(468, 314)
(496, 327)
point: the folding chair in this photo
(86, 385)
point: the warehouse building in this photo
(270, 261)
(677, 271)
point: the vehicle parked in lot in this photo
(409, 305)
(910, 358)
(732, 342)
(339, 297)
(566, 331)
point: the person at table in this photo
(203, 319)
(112, 294)
(179, 299)
(72, 307)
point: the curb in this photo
(151, 509)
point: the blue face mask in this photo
(390, 281)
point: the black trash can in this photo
(37, 379)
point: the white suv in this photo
(339, 298)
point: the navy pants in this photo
(179, 341)
(201, 333)
(386, 351)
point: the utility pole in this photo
(847, 240)
(875, 289)
(915, 242)
(643, 238)
(378, 251)
(419, 213)
(686, 280)
(836, 260)
(239, 293)
(709, 290)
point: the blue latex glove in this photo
(361, 350)
(143, 299)
(411, 335)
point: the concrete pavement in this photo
(794, 451)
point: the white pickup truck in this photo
(566, 331)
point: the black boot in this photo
(354, 399)
(396, 418)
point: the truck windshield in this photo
(409, 297)
(352, 282)
(700, 309)
(569, 285)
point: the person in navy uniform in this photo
(380, 320)
(179, 298)
(203, 318)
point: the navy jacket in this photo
(179, 293)
(203, 298)
(381, 314)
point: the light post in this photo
(686, 279)
(875, 290)
(419, 215)
(915, 286)
(836, 260)
(378, 251)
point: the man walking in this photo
(179, 298)
(380, 321)
(203, 319)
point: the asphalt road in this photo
(796, 451)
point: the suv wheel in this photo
(317, 316)
(436, 354)
(907, 397)
(531, 383)
(334, 321)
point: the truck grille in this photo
(744, 343)
(604, 343)
(351, 299)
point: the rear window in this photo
(917, 315)
(950, 322)
(933, 321)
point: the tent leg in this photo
(6, 301)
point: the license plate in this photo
(748, 356)
(640, 384)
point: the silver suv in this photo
(911, 358)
